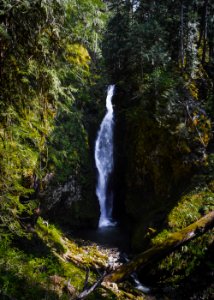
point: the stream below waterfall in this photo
(117, 240)
(108, 237)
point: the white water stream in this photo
(104, 161)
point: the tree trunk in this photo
(158, 251)
(211, 50)
(205, 33)
(182, 35)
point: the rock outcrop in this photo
(70, 204)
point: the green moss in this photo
(197, 201)
(160, 238)
(32, 276)
(25, 276)
(50, 234)
(189, 209)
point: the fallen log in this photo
(158, 251)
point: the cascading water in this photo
(104, 161)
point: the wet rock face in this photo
(67, 193)
(155, 157)
(70, 204)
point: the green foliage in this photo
(47, 64)
(25, 276)
(196, 202)
(181, 264)
(161, 57)
(152, 52)
(49, 77)
(67, 154)
(37, 268)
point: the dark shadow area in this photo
(119, 175)
(136, 200)
(109, 237)
(199, 284)
(34, 246)
(24, 288)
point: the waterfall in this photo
(104, 161)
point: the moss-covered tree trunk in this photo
(158, 251)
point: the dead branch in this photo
(86, 292)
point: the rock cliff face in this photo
(69, 194)
(70, 204)
(155, 158)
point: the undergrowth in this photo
(30, 276)
(197, 201)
